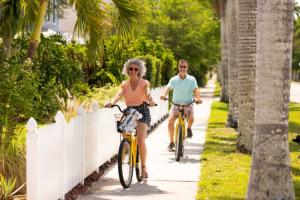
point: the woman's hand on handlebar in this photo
(152, 104)
(108, 105)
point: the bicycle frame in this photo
(133, 147)
(181, 122)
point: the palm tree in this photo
(220, 7)
(10, 17)
(224, 52)
(92, 20)
(270, 176)
(232, 38)
(246, 69)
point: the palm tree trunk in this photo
(246, 73)
(232, 35)
(270, 176)
(224, 53)
(35, 36)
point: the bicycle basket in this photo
(119, 119)
(128, 121)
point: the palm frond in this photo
(94, 21)
(127, 17)
(91, 23)
(30, 8)
(11, 14)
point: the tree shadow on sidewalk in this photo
(142, 189)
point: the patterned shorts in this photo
(144, 110)
(188, 111)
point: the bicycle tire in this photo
(178, 147)
(125, 167)
(138, 166)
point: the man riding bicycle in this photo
(184, 86)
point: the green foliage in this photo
(58, 62)
(167, 69)
(101, 95)
(158, 66)
(200, 74)
(153, 53)
(17, 103)
(6, 187)
(151, 68)
(17, 89)
(58, 66)
(189, 29)
(217, 91)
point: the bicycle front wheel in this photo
(138, 166)
(179, 144)
(125, 165)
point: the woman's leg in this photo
(141, 135)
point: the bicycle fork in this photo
(133, 149)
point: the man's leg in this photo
(190, 112)
(172, 118)
(190, 121)
(171, 128)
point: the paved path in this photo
(295, 92)
(168, 179)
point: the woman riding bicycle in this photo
(136, 93)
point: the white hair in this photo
(137, 62)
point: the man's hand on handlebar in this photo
(198, 101)
(163, 98)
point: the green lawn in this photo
(217, 91)
(225, 173)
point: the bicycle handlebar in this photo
(116, 105)
(122, 111)
(194, 101)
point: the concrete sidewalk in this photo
(168, 179)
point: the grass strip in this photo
(224, 171)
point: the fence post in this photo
(60, 121)
(32, 160)
(80, 112)
(95, 109)
(95, 106)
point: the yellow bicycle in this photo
(180, 130)
(128, 154)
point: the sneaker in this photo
(171, 147)
(189, 133)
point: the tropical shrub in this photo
(167, 69)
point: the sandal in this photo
(144, 173)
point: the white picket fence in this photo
(61, 155)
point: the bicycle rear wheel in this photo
(138, 166)
(179, 144)
(125, 165)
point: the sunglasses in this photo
(183, 66)
(132, 68)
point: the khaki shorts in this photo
(188, 111)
